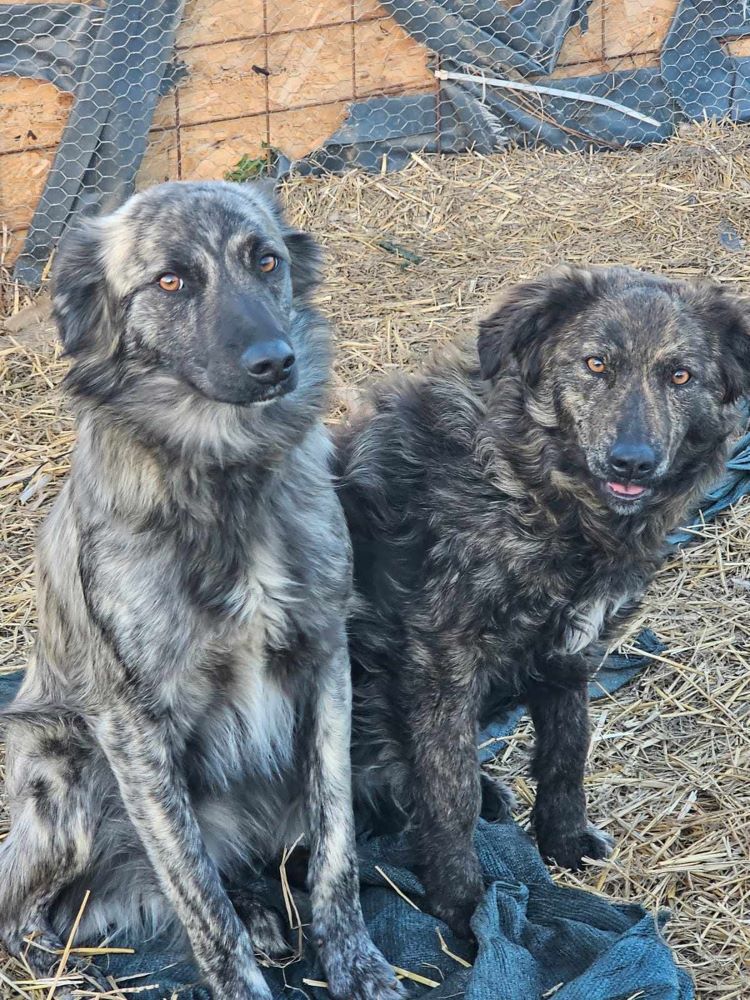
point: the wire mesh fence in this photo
(100, 98)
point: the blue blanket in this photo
(532, 935)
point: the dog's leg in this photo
(447, 797)
(54, 819)
(38, 859)
(354, 967)
(561, 721)
(498, 801)
(264, 924)
(141, 753)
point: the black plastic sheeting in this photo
(46, 42)
(54, 43)
(696, 79)
(118, 60)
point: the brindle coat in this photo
(186, 712)
(507, 514)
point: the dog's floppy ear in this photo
(519, 323)
(79, 298)
(306, 262)
(729, 316)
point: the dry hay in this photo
(670, 769)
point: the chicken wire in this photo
(99, 98)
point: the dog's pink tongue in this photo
(627, 490)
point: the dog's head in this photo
(635, 375)
(198, 282)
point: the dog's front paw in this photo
(43, 958)
(454, 900)
(231, 971)
(245, 983)
(267, 934)
(568, 850)
(455, 913)
(355, 970)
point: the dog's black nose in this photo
(269, 362)
(632, 460)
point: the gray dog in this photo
(187, 708)
(507, 508)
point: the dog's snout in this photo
(270, 362)
(632, 460)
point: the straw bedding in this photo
(670, 767)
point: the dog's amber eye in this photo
(596, 365)
(680, 376)
(171, 282)
(268, 262)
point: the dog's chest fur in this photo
(249, 717)
(263, 611)
(480, 573)
(528, 612)
(239, 714)
(586, 623)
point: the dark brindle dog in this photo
(507, 514)
(187, 709)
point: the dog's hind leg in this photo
(53, 824)
(561, 721)
(498, 801)
(42, 953)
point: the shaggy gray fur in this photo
(186, 712)
(507, 510)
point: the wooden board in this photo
(298, 133)
(620, 63)
(222, 82)
(310, 67)
(22, 177)
(387, 59)
(581, 47)
(208, 21)
(283, 15)
(33, 114)
(165, 113)
(208, 152)
(634, 26)
(364, 9)
(160, 162)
